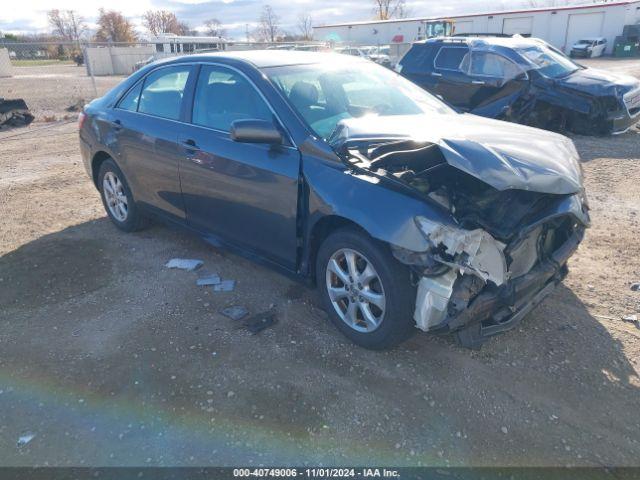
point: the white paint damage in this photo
(433, 298)
(468, 252)
(474, 252)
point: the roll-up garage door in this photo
(520, 25)
(583, 25)
(463, 27)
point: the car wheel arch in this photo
(98, 159)
(321, 230)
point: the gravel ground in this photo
(110, 359)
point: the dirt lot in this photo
(110, 359)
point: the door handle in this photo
(477, 82)
(190, 145)
(436, 74)
(116, 125)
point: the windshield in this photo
(549, 63)
(586, 42)
(325, 94)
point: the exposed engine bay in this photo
(501, 254)
(472, 202)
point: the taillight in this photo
(81, 118)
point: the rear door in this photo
(145, 128)
(245, 193)
(417, 66)
(453, 82)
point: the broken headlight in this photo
(473, 252)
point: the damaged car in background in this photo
(523, 80)
(404, 213)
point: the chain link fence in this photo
(57, 78)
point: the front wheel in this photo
(365, 290)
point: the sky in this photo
(30, 16)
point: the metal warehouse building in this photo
(560, 26)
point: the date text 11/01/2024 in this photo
(316, 473)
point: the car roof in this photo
(509, 42)
(273, 58)
(591, 39)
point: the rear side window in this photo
(224, 96)
(414, 59)
(450, 58)
(130, 100)
(162, 92)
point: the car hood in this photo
(503, 155)
(599, 82)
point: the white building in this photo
(169, 44)
(560, 26)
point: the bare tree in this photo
(386, 9)
(268, 25)
(185, 29)
(114, 27)
(214, 28)
(160, 21)
(305, 25)
(66, 24)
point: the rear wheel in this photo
(366, 292)
(117, 198)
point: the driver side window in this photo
(223, 96)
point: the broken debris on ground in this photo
(184, 264)
(26, 438)
(76, 106)
(225, 286)
(14, 113)
(631, 319)
(261, 321)
(235, 312)
(213, 279)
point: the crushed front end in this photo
(503, 251)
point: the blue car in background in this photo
(405, 214)
(523, 80)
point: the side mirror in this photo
(255, 131)
(522, 77)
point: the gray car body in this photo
(330, 192)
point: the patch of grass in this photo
(39, 63)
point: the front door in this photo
(245, 193)
(498, 83)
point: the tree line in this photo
(113, 26)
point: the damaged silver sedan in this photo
(404, 213)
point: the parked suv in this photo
(523, 80)
(404, 213)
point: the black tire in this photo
(134, 220)
(397, 322)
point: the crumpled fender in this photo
(335, 190)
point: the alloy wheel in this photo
(355, 290)
(115, 196)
